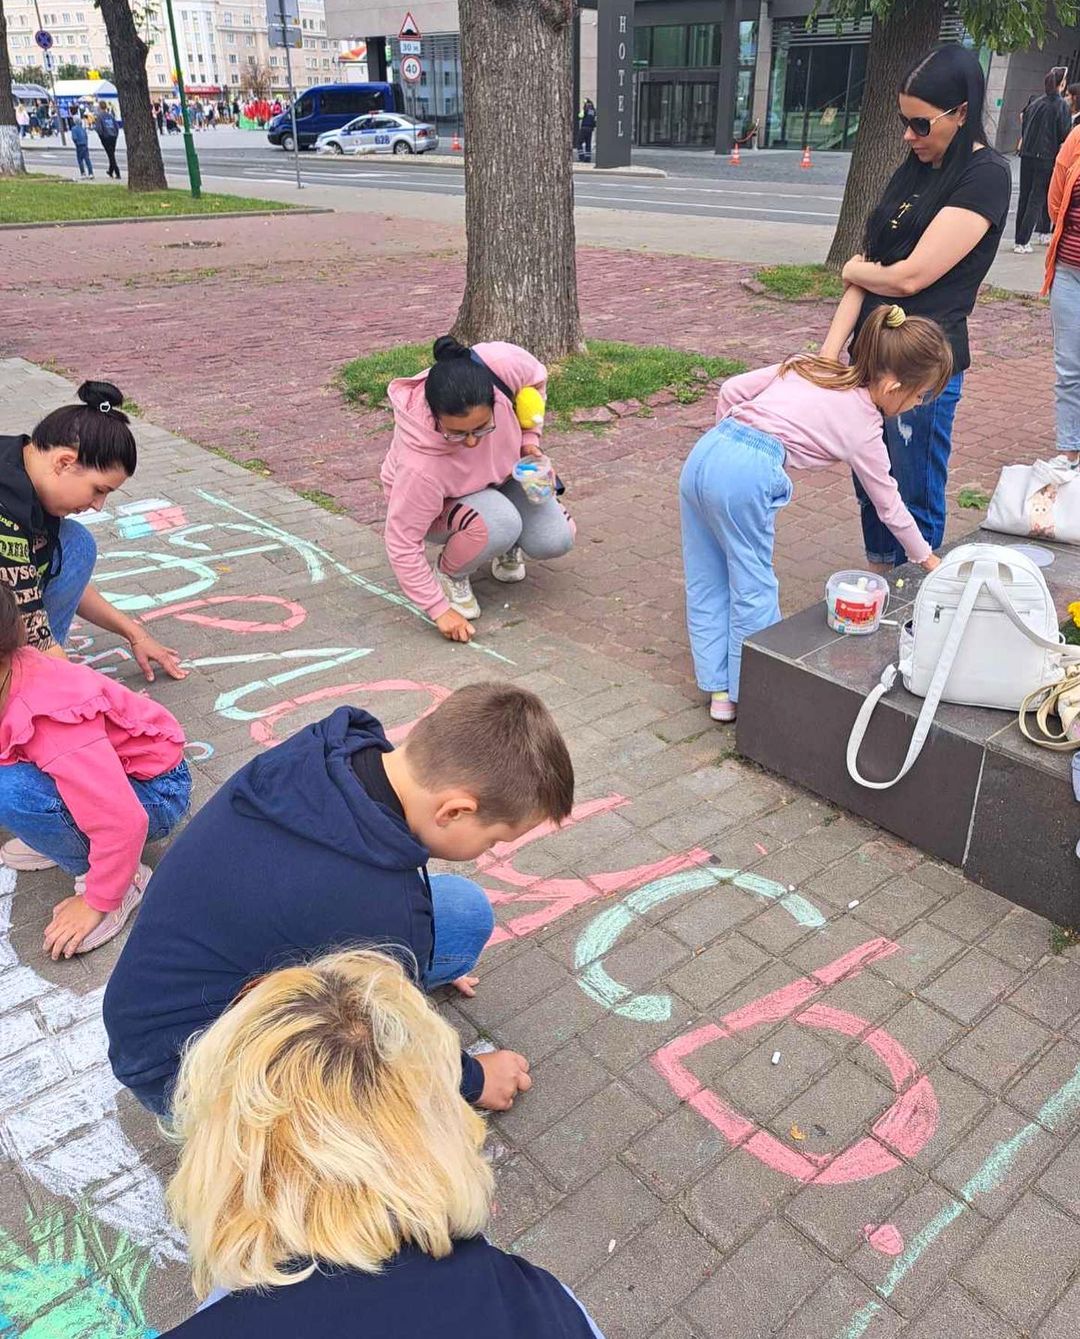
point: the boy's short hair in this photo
(500, 742)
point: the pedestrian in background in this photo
(585, 131)
(108, 132)
(22, 120)
(81, 141)
(1044, 124)
(1073, 94)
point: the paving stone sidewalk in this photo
(907, 1166)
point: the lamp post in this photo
(194, 175)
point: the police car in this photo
(381, 132)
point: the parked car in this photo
(330, 107)
(398, 134)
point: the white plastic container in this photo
(855, 602)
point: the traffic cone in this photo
(806, 160)
(735, 158)
(456, 147)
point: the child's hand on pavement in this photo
(467, 985)
(72, 921)
(505, 1075)
(928, 564)
(455, 628)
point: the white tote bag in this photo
(984, 634)
(1041, 501)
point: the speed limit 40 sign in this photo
(411, 70)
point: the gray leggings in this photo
(483, 525)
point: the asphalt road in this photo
(704, 195)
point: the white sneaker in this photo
(1019, 250)
(458, 590)
(721, 708)
(115, 921)
(1044, 238)
(17, 855)
(509, 566)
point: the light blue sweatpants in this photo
(1065, 314)
(731, 487)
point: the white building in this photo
(218, 39)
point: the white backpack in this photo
(985, 634)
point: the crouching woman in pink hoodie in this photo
(448, 479)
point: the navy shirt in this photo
(476, 1291)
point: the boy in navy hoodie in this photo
(323, 843)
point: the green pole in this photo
(194, 175)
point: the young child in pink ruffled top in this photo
(89, 771)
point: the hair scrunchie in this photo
(895, 317)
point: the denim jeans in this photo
(82, 157)
(75, 561)
(1065, 315)
(464, 921)
(919, 444)
(31, 809)
(730, 489)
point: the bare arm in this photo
(97, 610)
(843, 322)
(949, 238)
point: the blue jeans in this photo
(730, 489)
(31, 808)
(74, 566)
(464, 921)
(919, 444)
(82, 157)
(1065, 315)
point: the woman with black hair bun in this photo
(71, 462)
(930, 243)
(460, 428)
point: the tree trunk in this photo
(521, 273)
(146, 172)
(11, 157)
(910, 31)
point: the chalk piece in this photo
(797, 1134)
(899, 583)
(791, 887)
(776, 1057)
(761, 850)
(853, 904)
(611, 1245)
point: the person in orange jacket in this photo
(1063, 285)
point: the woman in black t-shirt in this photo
(929, 244)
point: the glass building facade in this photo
(676, 75)
(437, 97)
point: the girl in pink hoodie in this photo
(447, 478)
(89, 771)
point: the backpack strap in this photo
(940, 677)
(499, 383)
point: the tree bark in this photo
(521, 271)
(11, 156)
(910, 31)
(146, 172)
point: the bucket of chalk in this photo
(855, 601)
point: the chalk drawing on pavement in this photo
(58, 1119)
(601, 934)
(58, 1283)
(906, 1127)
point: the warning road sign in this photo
(409, 27)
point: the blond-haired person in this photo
(331, 1180)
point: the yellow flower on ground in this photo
(1074, 610)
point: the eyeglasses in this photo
(459, 437)
(922, 125)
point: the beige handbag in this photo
(1061, 700)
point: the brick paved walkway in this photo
(909, 1165)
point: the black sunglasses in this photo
(922, 125)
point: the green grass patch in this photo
(792, 282)
(608, 372)
(325, 500)
(255, 465)
(1063, 937)
(990, 293)
(973, 499)
(42, 199)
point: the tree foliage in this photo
(31, 74)
(256, 82)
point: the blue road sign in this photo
(43, 39)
